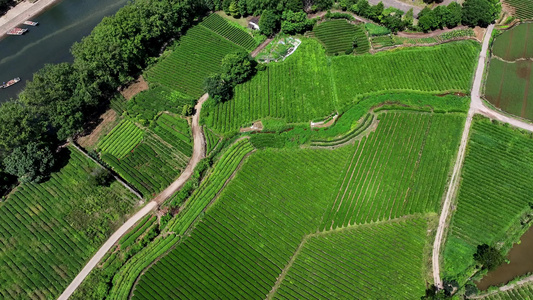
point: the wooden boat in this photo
(31, 23)
(5, 85)
(17, 31)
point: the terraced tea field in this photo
(523, 292)
(151, 164)
(219, 25)
(305, 86)
(338, 37)
(352, 263)
(49, 230)
(495, 192)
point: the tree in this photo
(243, 8)
(376, 11)
(394, 23)
(427, 20)
(100, 177)
(364, 8)
(454, 15)
(269, 23)
(480, 12)
(16, 126)
(237, 67)
(433, 293)
(234, 9)
(294, 5)
(296, 22)
(187, 110)
(217, 88)
(408, 18)
(322, 4)
(30, 163)
(488, 257)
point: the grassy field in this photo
(338, 37)
(309, 85)
(495, 192)
(515, 43)
(523, 8)
(388, 175)
(356, 263)
(152, 162)
(49, 230)
(509, 87)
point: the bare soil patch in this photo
(108, 120)
(480, 32)
(134, 88)
(257, 126)
(324, 125)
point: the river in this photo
(59, 27)
(521, 263)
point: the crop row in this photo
(239, 248)
(128, 239)
(510, 44)
(122, 139)
(388, 174)
(356, 264)
(238, 36)
(211, 185)
(337, 35)
(211, 140)
(522, 292)
(496, 189)
(367, 121)
(198, 55)
(523, 8)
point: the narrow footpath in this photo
(197, 155)
(476, 107)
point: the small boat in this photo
(17, 31)
(5, 85)
(31, 23)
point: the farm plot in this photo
(523, 8)
(358, 263)
(509, 87)
(447, 67)
(298, 90)
(400, 169)
(338, 37)
(239, 248)
(158, 159)
(238, 36)
(49, 230)
(199, 53)
(514, 43)
(495, 192)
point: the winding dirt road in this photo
(197, 155)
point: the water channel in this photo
(521, 263)
(59, 27)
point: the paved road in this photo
(21, 13)
(397, 4)
(198, 154)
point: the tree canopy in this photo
(488, 257)
(31, 162)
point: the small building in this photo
(254, 23)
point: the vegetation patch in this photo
(494, 198)
(523, 8)
(514, 43)
(340, 36)
(238, 36)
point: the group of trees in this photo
(472, 13)
(239, 8)
(61, 98)
(237, 68)
(290, 22)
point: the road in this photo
(20, 13)
(197, 155)
(476, 107)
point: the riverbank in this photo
(22, 12)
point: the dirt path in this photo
(198, 154)
(20, 13)
(323, 13)
(261, 47)
(417, 35)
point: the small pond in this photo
(521, 257)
